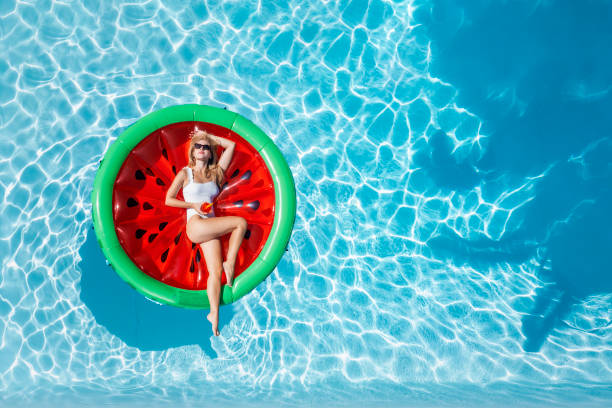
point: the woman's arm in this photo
(225, 143)
(226, 156)
(175, 202)
(176, 185)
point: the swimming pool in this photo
(452, 166)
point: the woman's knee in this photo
(241, 224)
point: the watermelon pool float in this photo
(145, 241)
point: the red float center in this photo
(153, 234)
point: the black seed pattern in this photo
(235, 173)
(253, 205)
(147, 206)
(165, 255)
(140, 233)
(176, 240)
(162, 226)
(152, 237)
(160, 182)
(239, 203)
(150, 172)
(165, 154)
(139, 175)
(246, 175)
(132, 202)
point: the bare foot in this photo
(229, 272)
(214, 323)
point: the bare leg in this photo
(200, 230)
(212, 256)
(232, 251)
(203, 230)
(213, 291)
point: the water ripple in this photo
(362, 303)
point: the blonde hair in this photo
(211, 166)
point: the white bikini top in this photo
(196, 192)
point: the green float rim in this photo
(102, 211)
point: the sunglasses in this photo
(201, 146)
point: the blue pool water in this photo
(453, 168)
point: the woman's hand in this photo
(202, 208)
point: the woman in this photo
(200, 182)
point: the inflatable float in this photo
(144, 240)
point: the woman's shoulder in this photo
(183, 172)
